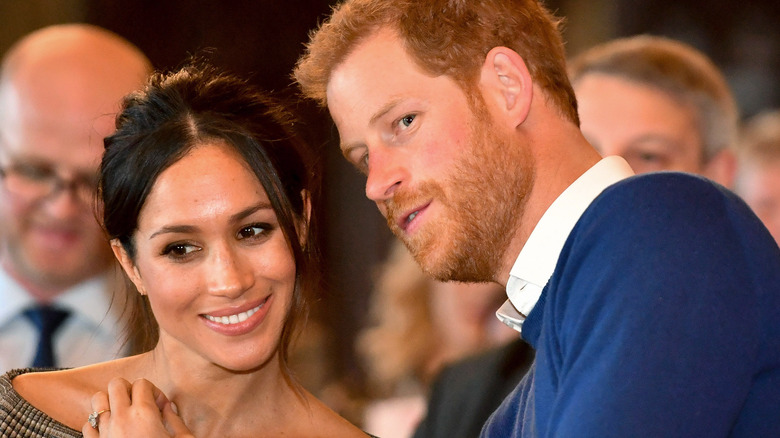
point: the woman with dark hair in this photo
(207, 199)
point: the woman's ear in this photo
(506, 83)
(128, 265)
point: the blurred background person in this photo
(758, 169)
(60, 88)
(467, 391)
(659, 103)
(419, 325)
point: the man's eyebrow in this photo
(384, 109)
(346, 148)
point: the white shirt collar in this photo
(90, 299)
(538, 258)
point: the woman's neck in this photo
(214, 401)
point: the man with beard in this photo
(649, 299)
(60, 88)
(658, 103)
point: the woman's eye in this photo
(406, 120)
(253, 231)
(179, 250)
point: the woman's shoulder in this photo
(63, 394)
(17, 414)
(326, 422)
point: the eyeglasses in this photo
(36, 181)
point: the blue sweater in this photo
(661, 319)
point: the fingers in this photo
(144, 391)
(119, 394)
(100, 404)
(174, 423)
(89, 432)
(137, 409)
(99, 401)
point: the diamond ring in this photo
(95, 417)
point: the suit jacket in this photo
(466, 392)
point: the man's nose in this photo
(386, 173)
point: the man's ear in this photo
(128, 265)
(722, 168)
(506, 82)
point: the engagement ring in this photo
(95, 417)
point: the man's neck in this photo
(555, 172)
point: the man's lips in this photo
(57, 236)
(405, 220)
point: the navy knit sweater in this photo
(661, 319)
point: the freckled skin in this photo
(219, 262)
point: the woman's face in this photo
(213, 261)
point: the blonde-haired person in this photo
(758, 169)
(418, 326)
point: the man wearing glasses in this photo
(60, 88)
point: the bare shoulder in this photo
(66, 395)
(327, 423)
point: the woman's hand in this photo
(133, 410)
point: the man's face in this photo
(53, 241)
(450, 183)
(642, 124)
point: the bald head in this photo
(69, 74)
(60, 89)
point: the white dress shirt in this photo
(90, 334)
(538, 258)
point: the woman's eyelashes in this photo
(250, 234)
(179, 251)
(256, 231)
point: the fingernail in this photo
(174, 408)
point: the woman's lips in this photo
(235, 322)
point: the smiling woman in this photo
(207, 201)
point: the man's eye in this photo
(33, 172)
(406, 120)
(650, 157)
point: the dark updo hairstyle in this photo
(162, 123)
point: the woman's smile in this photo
(236, 324)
